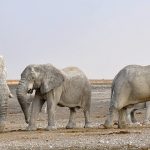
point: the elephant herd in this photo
(70, 88)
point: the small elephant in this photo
(131, 109)
(5, 94)
(66, 88)
(130, 86)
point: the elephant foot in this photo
(134, 125)
(27, 121)
(134, 121)
(122, 125)
(71, 125)
(137, 124)
(108, 125)
(146, 122)
(88, 125)
(49, 128)
(31, 128)
(130, 124)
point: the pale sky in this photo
(98, 36)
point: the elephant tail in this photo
(115, 81)
(113, 86)
(113, 98)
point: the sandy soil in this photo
(16, 136)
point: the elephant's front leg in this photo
(36, 107)
(122, 118)
(130, 115)
(51, 108)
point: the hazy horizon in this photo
(100, 36)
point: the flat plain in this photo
(15, 135)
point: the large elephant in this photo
(130, 110)
(67, 88)
(130, 86)
(5, 94)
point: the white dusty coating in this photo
(3, 70)
(4, 94)
(66, 88)
(130, 86)
(3, 76)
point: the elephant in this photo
(131, 109)
(68, 87)
(130, 86)
(5, 94)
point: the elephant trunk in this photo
(3, 113)
(3, 105)
(23, 99)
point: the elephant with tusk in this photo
(66, 88)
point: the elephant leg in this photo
(36, 107)
(51, 108)
(147, 114)
(129, 118)
(3, 114)
(130, 115)
(53, 98)
(133, 116)
(71, 124)
(110, 120)
(45, 108)
(87, 118)
(122, 118)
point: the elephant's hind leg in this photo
(110, 120)
(71, 124)
(87, 118)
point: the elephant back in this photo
(75, 87)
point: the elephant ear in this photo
(53, 78)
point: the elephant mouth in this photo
(30, 91)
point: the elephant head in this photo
(43, 78)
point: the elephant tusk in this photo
(10, 95)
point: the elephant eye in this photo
(30, 78)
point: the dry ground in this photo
(16, 136)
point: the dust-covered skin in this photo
(16, 137)
(5, 94)
(130, 110)
(68, 87)
(130, 86)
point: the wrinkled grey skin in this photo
(131, 109)
(5, 94)
(130, 86)
(67, 88)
